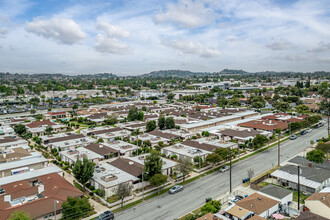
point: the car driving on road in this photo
(175, 189)
(293, 137)
(224, 169)
(107, 215)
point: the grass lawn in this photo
(112, 199)
(263, 184)
(197, 211)
(302, 197)
(184, 217)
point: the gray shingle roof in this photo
(275, 191)
(299, 160)
(312, 173)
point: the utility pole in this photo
(278, 151)
(142, 187)
(298, 187)
(230, 172)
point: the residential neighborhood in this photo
(164, 110)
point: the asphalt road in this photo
(169, 207)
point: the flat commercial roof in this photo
(224, 118)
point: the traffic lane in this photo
(213, 185)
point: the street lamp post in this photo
(55, 201)
(143, 186)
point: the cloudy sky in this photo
(130, 37)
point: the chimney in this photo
(251, 206)
(214, 217)
(4, 156)
(309, 164)
(259, 198)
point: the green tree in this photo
(100, 140)
(170, 96)
(152, 164)
(111, 120)
(75, 106)
(19, 215)
(158, 180)
(184, 166)
(259, 141)
(213, 158)
(83, 170)
(20, 90)
(151, 125)
(122, 190)
(324, 147)
(282, 106)
(49, 129)
(316, 156)
(302, 109)
(135, 114)
(234, 102)
(76, 208)
(224, 153)
(169, 123)
(20, 129)
(222, 101)
(161, 122)
(212, 206)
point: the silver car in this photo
(224, 169)
(175, 189)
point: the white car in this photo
(309, 130)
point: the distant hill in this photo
(174, 73)
(228, 71)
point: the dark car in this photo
(303, 133)
(107, 215)
(238, 197)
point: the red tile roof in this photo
(55, 188)
(36, 124)
(268, 125)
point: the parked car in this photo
(107, 215)
(309, 130)
(235, 199)
(224, 169)
(293, 137)
(303, 133)
(208, 199)
(175, 189)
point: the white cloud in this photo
(105, 44)
(279, 45)
(190, 47)
(112, 30)
(3, 32)
(110, 42)
(322, 47)
(61, 30)
(185, 13)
